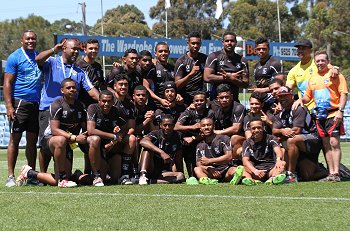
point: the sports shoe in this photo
(98, 182)
(237, 176)
(143, 180)
(66, 184)
(33, 182)
(279, 179)
(269, 181)
(125, 180)
(331, 178)
(23, 175)
(291, 178)
(192, 181)
(11, 181)
(336, 178)
(208, 181)
(248, 182)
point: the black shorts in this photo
(189, 153)
(158, 168)
(46, 148)
(313, 146)
(26, 117)
(44, 118)
(264, 166)
(327, 128)
(114, 151)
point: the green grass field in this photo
(301, 206)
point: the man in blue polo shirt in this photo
(55, 70)
(22, 96)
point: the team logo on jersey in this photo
(264, 71)
(188, 68)
(202, 152)
(127, 111)
(159, 73)
(74, 72)
(310, 71)
(174, 147)
(216, 150)
(98, 122)
(64, 114)
(238, 66)
(221, 63)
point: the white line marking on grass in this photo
(178, 195)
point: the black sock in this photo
(97, 174)
(126, 159)
(62, 175)
(32, 174)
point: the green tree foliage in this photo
(329, 27)
(185, 16)
(255, 18)
(11, 33)
(126, 20)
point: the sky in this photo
(54, 10)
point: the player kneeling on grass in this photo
(67, 118)
(214, 155)
(262, 157)
(106, 128)
(161, 159)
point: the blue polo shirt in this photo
(26, 85)
(54, 75)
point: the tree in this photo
(255, 18)
(66, 26)
(185, 16)
(11, 33)
(123, 20)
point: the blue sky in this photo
(54, 10)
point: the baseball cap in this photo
(303, 42)
(284, 91)
(169, 84)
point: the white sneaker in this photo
(66, 184)
(23, 175)
(98, 182)
(143, 180)
(11, 181)
(125, 180)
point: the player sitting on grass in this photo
(106, 128)
(67, 118)
(262, 157)
(214, 154)
(161, 159)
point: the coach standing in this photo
(22, 96)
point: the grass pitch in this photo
(301, 206)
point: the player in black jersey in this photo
(67, 118)
(106, 128)
(189, 69)
(297, 131)
(256, 110)
(144, 114)
(145, 63)
(228, 118)
(225, 66)
(265, 70)
(161, 159)
(92, 68)
(172, 109)
(213, 156)
(130, 68)
(126, 110)
(159, 74)
(262, 157)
